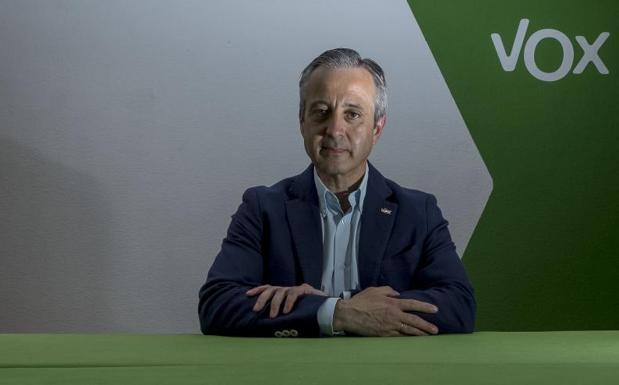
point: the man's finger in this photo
(264, 297)
(307, 289)
(290, 300)
(415, 305)
(417, 322)
(411, 330)
(276, 301)
(318, 292)
(394, 333)
(295, 292)
(256, 290)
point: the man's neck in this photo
(342, 188)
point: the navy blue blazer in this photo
(275, 238)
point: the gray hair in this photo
(347, 58)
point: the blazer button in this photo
(285, 333)
(278, 334)
(293, 333)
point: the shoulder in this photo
(407, 194)
(399, 194)
(279, 190)
(293, 187)
(412, 202)
(415, 207)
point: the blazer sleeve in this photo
(224, 308)
(441, 278)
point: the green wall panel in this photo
(545, 252)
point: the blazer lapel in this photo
(304, 221)
(377, 222)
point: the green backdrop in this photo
(544, 254)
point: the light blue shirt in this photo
(340, 244)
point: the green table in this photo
(584, 357)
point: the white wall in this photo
(130, 129)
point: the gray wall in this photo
(130, 129)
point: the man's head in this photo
(342, 113)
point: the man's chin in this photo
(330, 168)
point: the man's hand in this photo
(375, 312)
(276, 294)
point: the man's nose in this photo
(336, 126)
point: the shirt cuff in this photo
(325, 317)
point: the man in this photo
(338, 249)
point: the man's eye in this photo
(353, 115)
(320, 113)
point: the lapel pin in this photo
(385, 210)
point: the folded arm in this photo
(441, 299)
(441, 278)
(225, 308)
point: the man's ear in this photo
(301, 113)
(378, 128)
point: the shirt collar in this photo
(328, 200)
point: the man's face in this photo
(338, 121)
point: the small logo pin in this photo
(385, 210)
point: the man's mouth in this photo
(333, 150)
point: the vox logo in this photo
(590, 52)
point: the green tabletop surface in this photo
(578, 357)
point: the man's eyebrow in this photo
(353, 105)
(318, 102)
(325, 103)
